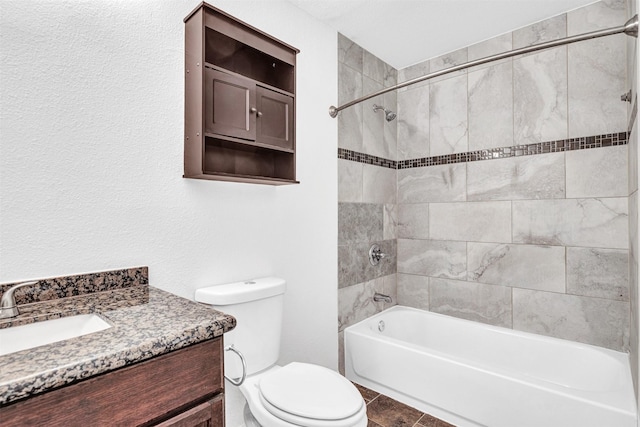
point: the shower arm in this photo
(630, 28)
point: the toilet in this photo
(297, 394)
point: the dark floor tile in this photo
(372, 424)
(391, 413)
(367, 395)
(429, 421)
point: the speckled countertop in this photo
(146, 321)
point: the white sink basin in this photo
(32, 335)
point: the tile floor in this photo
(384, 411)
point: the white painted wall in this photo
(91, 124)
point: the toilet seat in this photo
(269, 402)
(310, 395)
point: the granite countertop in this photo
(146, 321)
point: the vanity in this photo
(160, 363)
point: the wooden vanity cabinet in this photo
(183, 388)
(239, 101)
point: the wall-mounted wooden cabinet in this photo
(239, 101)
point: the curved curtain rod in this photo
(630, 28)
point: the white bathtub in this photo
(471, 374)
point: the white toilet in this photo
(298, 394)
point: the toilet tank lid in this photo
(240, 292)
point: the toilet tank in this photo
(257, 306)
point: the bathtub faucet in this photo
(382, 297)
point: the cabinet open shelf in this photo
(239, 101)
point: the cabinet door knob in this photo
(259, 114)
(253, 109)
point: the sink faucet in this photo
(8, 306)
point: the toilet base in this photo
(249, 419)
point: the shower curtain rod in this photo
(630, 28)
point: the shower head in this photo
(388, 114)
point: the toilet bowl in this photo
(301, 394)
(294, 395)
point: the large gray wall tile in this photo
(355, 303)
(349, 181)
(413, 291)
(550, 29)
(472, 301)
(572, 222)
(354, 266)
(599, 273)
(600, 172)
(540, 96)
(595, 16)
(358, 222)
(594, 321)
(373, 122)
(413, 221)
(491, 107)
(390, 222)
(525, 177)
(521, 266)
(350, 53)
(350, 119)
(448, 60)
(378, 184)
(413, 123)
(472, 221)
(432, 258)
(492, 46)
(448, 116)
(633, 160)
(442, 183)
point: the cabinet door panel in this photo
(274, 125)
(228, 105)
(208, 414)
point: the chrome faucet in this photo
(382, 297)
(8, 307)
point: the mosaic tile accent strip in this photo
(571, 144)
(80, 284)
(354, 156)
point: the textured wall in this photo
(540, 242)
(91, 131)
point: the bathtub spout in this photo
(382, 297)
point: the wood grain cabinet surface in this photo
(182, 388)
(239, 101)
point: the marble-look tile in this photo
(633, 160)
(374, 67)
(359, 222)
(442, 183)
(390, 129)
(599, 172)
(388, 285)
(390, 76)
(599, 273)
(413, 123)
(417, 70)
(596, 16)
(350, 53)
(341, 369)
(350, 119)
(413, 291)
(379, 184)
(349, 181)
(521, 266)
(373, 122)
(474, 221)
(600, 223)
(472, 301)
(526, 177)
(540, 96)
(432, 258)
(390, 222)
(490, 112)
(355, 303)
(594, 321)
(597, 78)
(413, 221)
(448, 60)
(492, 46)
(550, 29)
(448, 116)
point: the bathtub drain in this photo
(381, 325)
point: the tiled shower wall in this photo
(536, 239)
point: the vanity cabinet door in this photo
(230, 105)
(208, 414)
(275, 118)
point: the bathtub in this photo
(471, 374)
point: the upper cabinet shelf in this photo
(239, 101)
